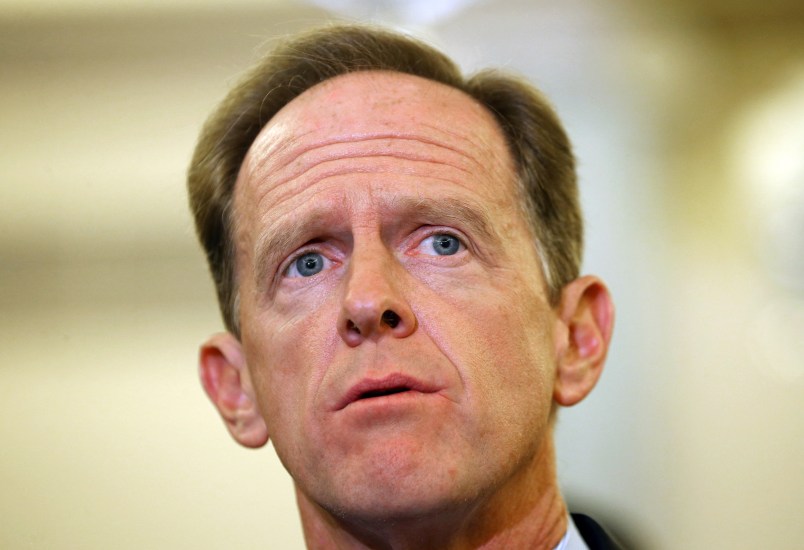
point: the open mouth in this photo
(370, 388)
(381, 393)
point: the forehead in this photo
(373, 101)
(371, 134)
(373, 104)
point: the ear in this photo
(584, 325)
(227, 382)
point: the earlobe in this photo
(584, 326)
(227, 382)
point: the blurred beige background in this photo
(688, 120)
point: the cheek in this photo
(500, 339)
(520, 346)
(287, 353)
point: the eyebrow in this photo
(450, 211)
(273, 244)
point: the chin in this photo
(396, 490)
(380, 505)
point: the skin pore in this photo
(397, 343)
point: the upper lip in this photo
(397, 381)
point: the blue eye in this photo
(307, 265)
(445, 245)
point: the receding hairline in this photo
(290, 147)
(270, 245)
(538, 143)
(281, 115)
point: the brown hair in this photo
(538, 143)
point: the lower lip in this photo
(390, 402)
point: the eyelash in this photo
(438, 230)
(307, 249)
(430, 232)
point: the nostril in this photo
(351, 326)
(390, 318)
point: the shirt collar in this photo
(572, 539)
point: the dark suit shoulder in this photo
(595, 537)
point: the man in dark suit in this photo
(396, 251)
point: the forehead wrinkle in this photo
(283, 145)
(263, 150)
(499, 150)
(322, 171)
(275, 141)
(263, 169)
(309, 193)
(287, 157)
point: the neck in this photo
(527, 511)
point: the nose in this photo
(373, 304)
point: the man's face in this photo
(394, 316)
